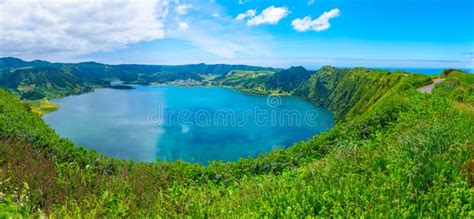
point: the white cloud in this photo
(248, 13)
(183, 26)
(77, 27)
(183, 9)
(271, 15)
(310, 2)
(319, 24)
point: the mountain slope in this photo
(266, 82)
(10, 62)
(194, 68)
(40, 82)
(287, 79)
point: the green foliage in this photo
(32, 95)
(42, 107)
(396, 153)
(288, 79)
(237, 77)
(458, 85)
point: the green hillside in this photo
(350, 92)
(458, 85)
(40, 82)
(396, 153)
(266, 82)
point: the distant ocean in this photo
(425, 71)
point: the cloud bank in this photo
(67, 30)
(78, 27)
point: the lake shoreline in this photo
(92, 116)
(247, 92)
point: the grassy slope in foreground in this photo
(407, 154)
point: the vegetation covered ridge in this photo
(402, 153)
(44, 80)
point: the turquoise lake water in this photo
(195, 124)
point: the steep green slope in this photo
(349, 92)
(407, 154)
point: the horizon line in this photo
(313, 66)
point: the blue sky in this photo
(371, 33)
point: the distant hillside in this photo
(287, 80)
(42, 79)
(99, 70)
(266, 82)
(10, 62)
(194, 68)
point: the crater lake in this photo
(195, 124)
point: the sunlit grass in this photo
(42, 107)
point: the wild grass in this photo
(42, 107)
